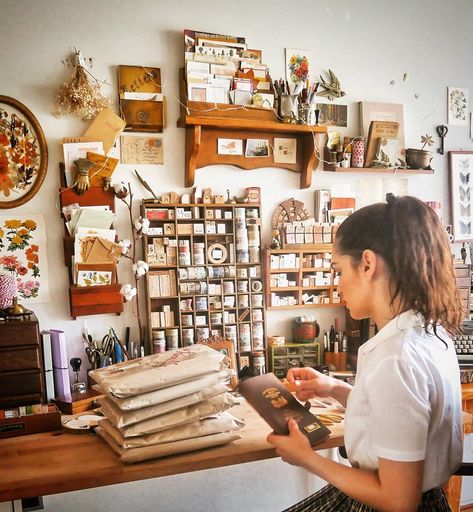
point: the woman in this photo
(403, 431)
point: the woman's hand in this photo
(310, 383)
(294, 448)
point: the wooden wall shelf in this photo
(376, 170)
(207, 122)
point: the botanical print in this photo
(297, 65)
(457, 106)
(19, 155)
(23, 254)
(462, 207)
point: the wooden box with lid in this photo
(21, 366)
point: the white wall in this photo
(367, 44)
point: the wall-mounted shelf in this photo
(377, 170)
(88, 300)
(205, 123)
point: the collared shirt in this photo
(406, 401)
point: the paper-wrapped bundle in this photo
(171, 393)
(223, 422)
(125, 418)
(158, 371)
(133, 455)
(181, 416)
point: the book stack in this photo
(220, 68)
(168, 403)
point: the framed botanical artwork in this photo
(23, 153)
(297, 66)
(461, 168)
(458, 106)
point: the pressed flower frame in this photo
(23, 153)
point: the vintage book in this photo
(276, 405)
(379, 129)
(374, 111)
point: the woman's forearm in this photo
(362, 485)
(340, 391)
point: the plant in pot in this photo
(420, 158)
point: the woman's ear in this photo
(368, 263)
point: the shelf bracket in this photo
(193, 140)
(310, 160)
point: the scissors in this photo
(94, 356)
(107, 345)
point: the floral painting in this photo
(458, 106)
(297, 66)
(23, 254)
(19, 155)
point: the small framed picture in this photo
(461, 167)
(257, 148)
(229, 146)
(285, 151)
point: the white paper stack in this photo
(167, 403)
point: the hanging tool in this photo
(442, 131)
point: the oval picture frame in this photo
(23, 153)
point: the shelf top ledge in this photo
(249, 124)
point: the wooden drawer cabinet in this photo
(21, 368)
(463, 278)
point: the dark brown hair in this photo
(410, 238)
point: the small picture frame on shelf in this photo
(228, 348)
(257, 148)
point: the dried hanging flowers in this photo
(81, 95)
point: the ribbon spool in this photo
(7, 290)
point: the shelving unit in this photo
(205, 123)
(295, 284)
(218, 288)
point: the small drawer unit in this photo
(292, 355)
(21, 368)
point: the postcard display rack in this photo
(301, 277)
(205, 276)
(89, 300)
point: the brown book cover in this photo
(379, 129)
(276, 405)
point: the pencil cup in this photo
(307, 114)
(287, 107)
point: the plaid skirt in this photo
(330, 499)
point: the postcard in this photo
(285, 151)
(142, 150)
(197, 93)
(93, 278)
(256, 148)
(229, 146)
(333, 115)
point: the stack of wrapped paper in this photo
(167, 403)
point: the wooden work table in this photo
(57, 462)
